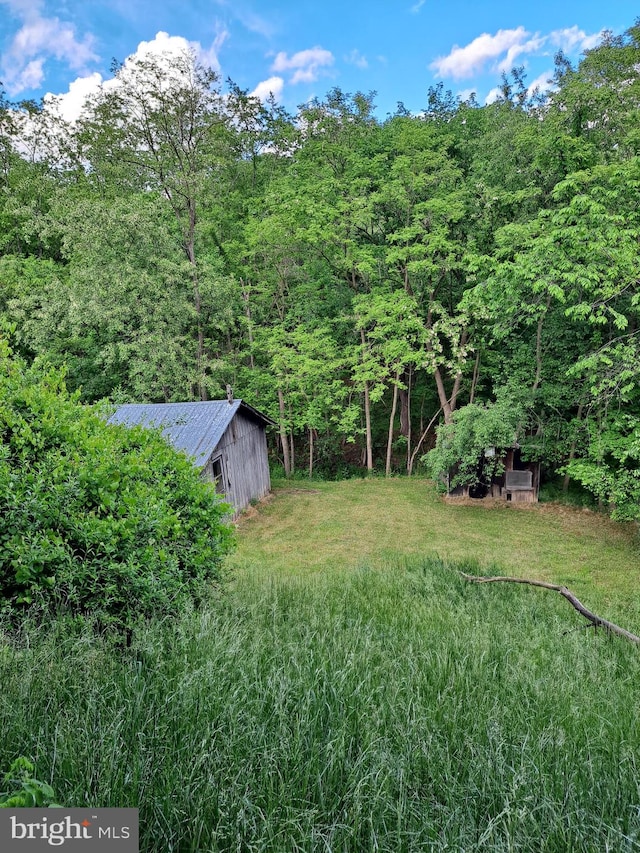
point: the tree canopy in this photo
(357, 279)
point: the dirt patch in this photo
(253, 510)
(484, 503)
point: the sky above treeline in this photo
(297, 49)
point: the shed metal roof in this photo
(194, 428)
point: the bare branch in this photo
(596, 621)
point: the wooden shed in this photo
(519, 481)
(226, 440)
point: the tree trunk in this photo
(572, 453)
(284, 439)
(367, 415)
(448, 404)
(453, 399)
(538, 376)
(442, 396)
(407, 413)
(310, 453)
(474, 381)
(391, 420)
(292, 452)
(405, 406)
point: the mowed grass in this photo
(307, 528)
(350, 692)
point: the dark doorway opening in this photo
(218, 478)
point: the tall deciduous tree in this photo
(393, 339)
(162, 126)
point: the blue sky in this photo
(302, 49)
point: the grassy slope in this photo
(341, 700)
(338, 526)
(390, 711)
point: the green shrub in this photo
(611, 467)
(23, 790)
(460, 445)
(96, 519)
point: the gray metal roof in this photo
(194, 428)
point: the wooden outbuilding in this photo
(518, 482)
(226, 439)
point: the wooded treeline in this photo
(357, 279)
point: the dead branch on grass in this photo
(596, 621)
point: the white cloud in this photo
(502, 50)
(516, 50)
(307, 65)
(493, 95)
(542, 82)
(30, 77)
(69, 105)
(254, 23)
(357, 59)
(173, 53)
(165, 45)
(468, 60)
(209, 58)
(172, 50)
(465, 94)
(573, 39)
(417, 6)
(272, 86)
(56, 38)
(23, 8)
(250, 20)
(41, 38)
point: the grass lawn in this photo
(349, 692)
(319, 527)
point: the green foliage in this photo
(460, 457)
(179, 238)
(24, 790)
(394, 336)
(610, 469)
(97, 519)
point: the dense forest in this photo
(359, 280)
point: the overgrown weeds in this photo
(398, 710)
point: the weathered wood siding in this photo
(245, 468)
(499, 487)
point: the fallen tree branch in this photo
(596, 621)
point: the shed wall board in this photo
(243, 450)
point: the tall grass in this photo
(376, 711)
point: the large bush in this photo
(95, 518)
(610, 469)
(460, 445)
